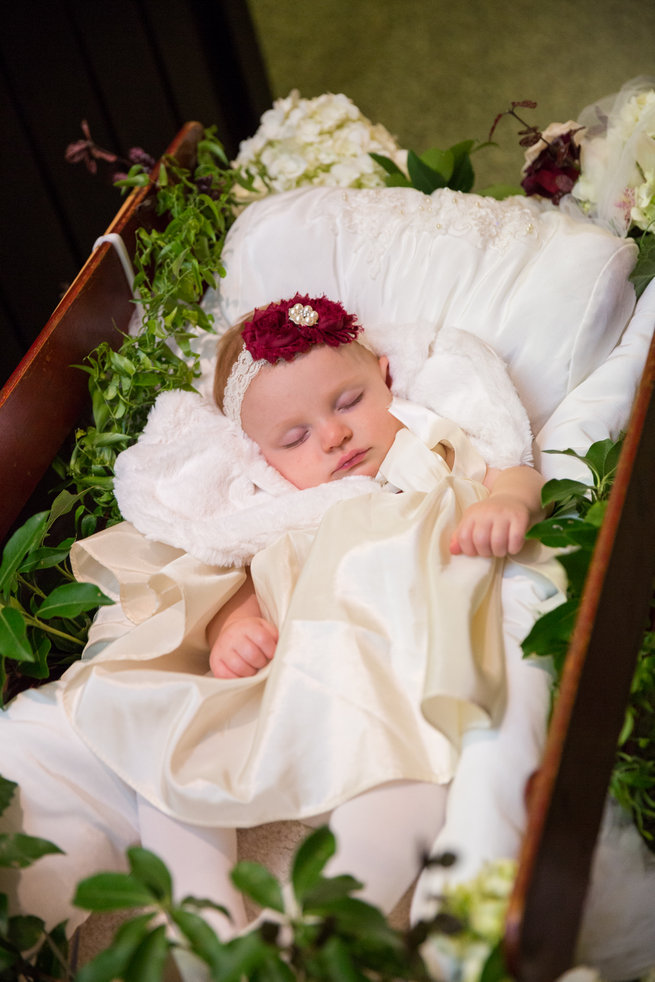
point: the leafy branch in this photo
(174, 265)
(435, 169)
(44, 613)
(579, 510)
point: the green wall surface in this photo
(436, 72)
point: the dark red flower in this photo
(273, 335)
(555, 170)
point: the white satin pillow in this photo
(548, 292)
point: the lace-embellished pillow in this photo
(548, 292)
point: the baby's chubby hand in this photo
(243, 647)
(495, 526)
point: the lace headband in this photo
(281, 331)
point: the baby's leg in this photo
(382, 836)
(486, 811)
(200, 860)
(65, 795)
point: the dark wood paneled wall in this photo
(136, 70)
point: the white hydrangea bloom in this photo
(616, 186)
(324, 141)
(481, 904)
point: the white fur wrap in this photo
(193, 480)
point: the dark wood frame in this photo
(45, 396)
(42, 402)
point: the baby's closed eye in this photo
(294, 438)
(349, 400)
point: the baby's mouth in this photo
(350, 460)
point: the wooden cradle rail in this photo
(567, 800)
(45, 396)
(43, 400)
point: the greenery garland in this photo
(40, 602)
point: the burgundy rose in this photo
(553, 172)
(273, 335)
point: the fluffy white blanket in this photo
(195, 481)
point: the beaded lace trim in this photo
(377, 214)
(243, 372)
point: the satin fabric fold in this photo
(389, 649)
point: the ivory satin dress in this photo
(390, 648)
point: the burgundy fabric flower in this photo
(273, 335)
(555, 170)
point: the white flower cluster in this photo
(325, 141)
(617, 181)
(481, 905)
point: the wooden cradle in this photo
(45, 397)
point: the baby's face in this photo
(322, 416)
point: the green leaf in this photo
(463, 176)
(273, 969)
(327, 889)
(561, 489)
(149, 869)
(203, 939)
(603, 456)
(310, 860)
(596, 514)
(337, 962)
(7, 791)
(441, 161)
(62, 505)
(53, 953)
(112, 891)
(242, 957)
(644, 269)
(398, 181)
(494, 968)
(38, 669)
(562, 531)
(7, 959)
(423, 177)
(552, 631)
(147, 962)
(24, 539)
(19, 851)
(13, 635)
(258, 884)
(204, 902)
(72, 599)
(46, 557)
(356, 918)
(25, 931)
(576, 566)
(110, 963)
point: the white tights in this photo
(67, 795)
(381, 837)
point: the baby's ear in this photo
(383, 362)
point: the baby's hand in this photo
(243, 647)
(493, 527)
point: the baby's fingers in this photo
(471, 537)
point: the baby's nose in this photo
(335, 434)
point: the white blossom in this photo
(617, 182)
(321, 141)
